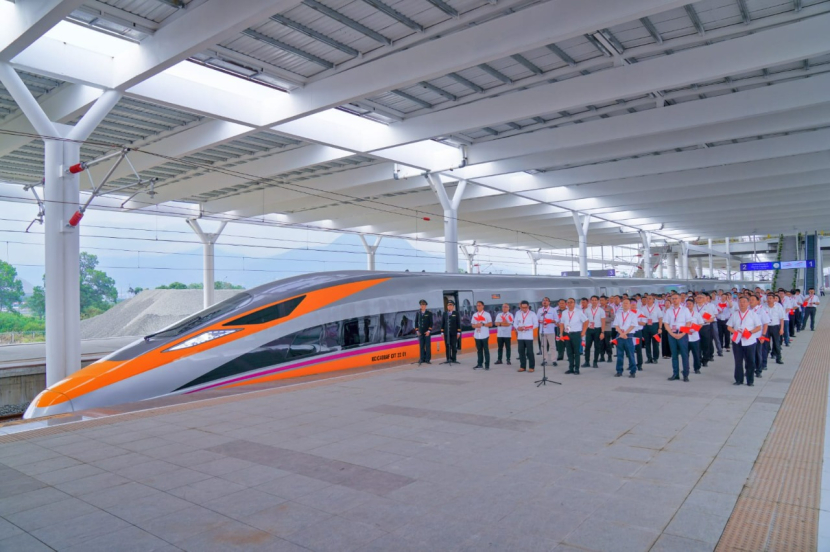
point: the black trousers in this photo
(666, 346)
(744, 362)
(694, 349)
(504, 343)
(451, 346)
(526, 358)
(798, 317)
(809, 312)
(572, 348)
(424, 348)
(774, 335)
(483, 351)
(792, 323)
(592, 340)
(638, 348)
(560, 346)
(650, 344)
(707, 350)
(724, 335)
(607, 346)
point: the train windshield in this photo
(212, 313)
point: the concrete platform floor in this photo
(416, 458)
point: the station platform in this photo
(440, 458)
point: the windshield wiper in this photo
(192, 323)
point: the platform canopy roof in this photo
(704, 119)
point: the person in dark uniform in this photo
(423, 327)
(451, 330)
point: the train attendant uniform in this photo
(606, 350)
(677, 317)
(573, 323)
(695, 336)
(712, 308)
(451, 330)
(651, 330)
(423, 327)
(524, 321)
(595, 332)
(504, 331)
(742, 326)
(707, 350)
(626, 324)
(481, 322)
(548, 320)
(775, 331)
(811, 302)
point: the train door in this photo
(603, 291)
(465, 306)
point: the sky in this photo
(142, 250)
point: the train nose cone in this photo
(48, 403)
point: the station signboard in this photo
(777, 265)
(605, 273)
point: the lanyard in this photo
(742, 316)
(570, 316)
(594, 313)
(676, 312)
(524, 316)
(624, 317)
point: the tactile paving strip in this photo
(779, 506)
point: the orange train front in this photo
(310, 324)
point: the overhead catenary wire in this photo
(313, 192)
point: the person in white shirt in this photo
(651, 329)
(810, 302)
(524, 322)
(798, 299)
(677, 316)
(695, 336)
(742, 326)
(561, 307)
(504, 331)
(707, 350)
(712, 309)
(595, 334)
(782, 300)
(724, 312)
(482, 322)
(763, 317)
(572, 325)
(548, 320)
(626, 325)
(789, 306)
(775, 330)
(607, 351)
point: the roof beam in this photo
(264, 167)
(496, 74)
(311, 33)
(343, 20)
(444, 7)
(396, 15)
(29, 20)
(437, 90)
(696, 22)
(466, 82)
(652, 30)
(287, 48)
(561, 54)
(752, 52)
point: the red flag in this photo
(636, 341)
(736, 337)
(658, 339)
(641, 315)
(707, 316)
(763, 339)
(792, 311)
(565, 338)
(480, 318)
(747, 334)
(685, 329)
(510, 319)
(696, 327)
(548, 321)
(722, 305)
(634, 311)
(805, 304)
(613, 341)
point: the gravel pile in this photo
(148, 312)
(13, 409)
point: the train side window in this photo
(306, 343)
(351, 333)
(404, 325)
(437, 317)
(268, 314)
(387, 329)
(370, 330)
(331, 336)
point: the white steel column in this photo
(450, 207)
(684, 261)
(711, 261)
(62, 242)
(670, 260)
(208, 272)
(728, 263)
(582, 222)
(700, 267)
(535, 260)
(660, 268)
(370, 251)
(646, 237)
(470, 255)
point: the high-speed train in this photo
(311, 324)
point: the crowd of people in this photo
(688, 329)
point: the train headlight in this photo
(203, 337)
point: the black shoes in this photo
(750, 385)
(618, 375)
(720, 354)
(649, 361)
(757, 374)
(576, 371)
(697, 371)
(778, 362)
(673, 378)
(497, 362)
(486, 367)
(570, 372)
(595, 365)
(738, 383)
(508, 362)
(632, 375)
(586, 365)
(686, 379)
(639, 367)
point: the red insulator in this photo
(426, 218)
(75, 169)
(76, 218)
